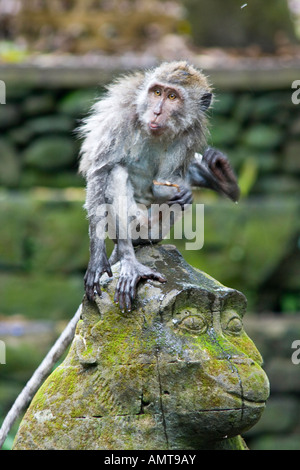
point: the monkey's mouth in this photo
(155, 127)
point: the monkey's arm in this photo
(95, 205)
(214, 171)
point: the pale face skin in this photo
(163, 104)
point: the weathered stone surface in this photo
(178, 372)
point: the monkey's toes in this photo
(127, 286)
(91, 291)
(125, 292)
(183, 197)
(155, 276)
(91, 285)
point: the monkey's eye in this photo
(157, 92)
(172, 96)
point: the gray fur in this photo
(121, 159)
(115, 129)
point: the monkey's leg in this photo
(98, 265)
(122, 207)
(214, 171)
(114, 257)
(163, 216)
(95, 205)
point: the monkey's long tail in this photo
(39, 375)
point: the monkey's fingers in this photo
(119, 298)
(90, 293)
(155, 276)
(183, 197)
(91, 290)
(127, 286)
(122, 294)
(89, 285)
(133, 286)
(92, 281)
(108, 271)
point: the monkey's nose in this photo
(158, 109)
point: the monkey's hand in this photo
(215, 172)
(93, 275)
(182, 197)
(130, 275)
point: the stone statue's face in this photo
(197, 364)
(178, 372)
(211, 372)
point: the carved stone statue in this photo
(178, 372)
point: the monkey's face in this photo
(169, 110)
(164, 107)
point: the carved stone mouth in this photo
(246, 401)
(245, 404)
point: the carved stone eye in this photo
(194, 324)
(234, 326)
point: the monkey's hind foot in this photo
(92, 278)
(131, 274)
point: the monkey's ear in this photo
(206, 100)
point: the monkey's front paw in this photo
(92, 281)
(129, 278)
(182, 197)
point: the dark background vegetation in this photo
(55, 58)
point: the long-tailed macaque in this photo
(142, 145)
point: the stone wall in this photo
(253, 247)
(258, 128)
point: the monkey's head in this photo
(173, 100)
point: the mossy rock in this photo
(53, 124)
(38, 104)
(9, 116)
(10, 167)
(60, 243)
(14, 216)
(178, 372)
(78, 102)
(50, 153)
